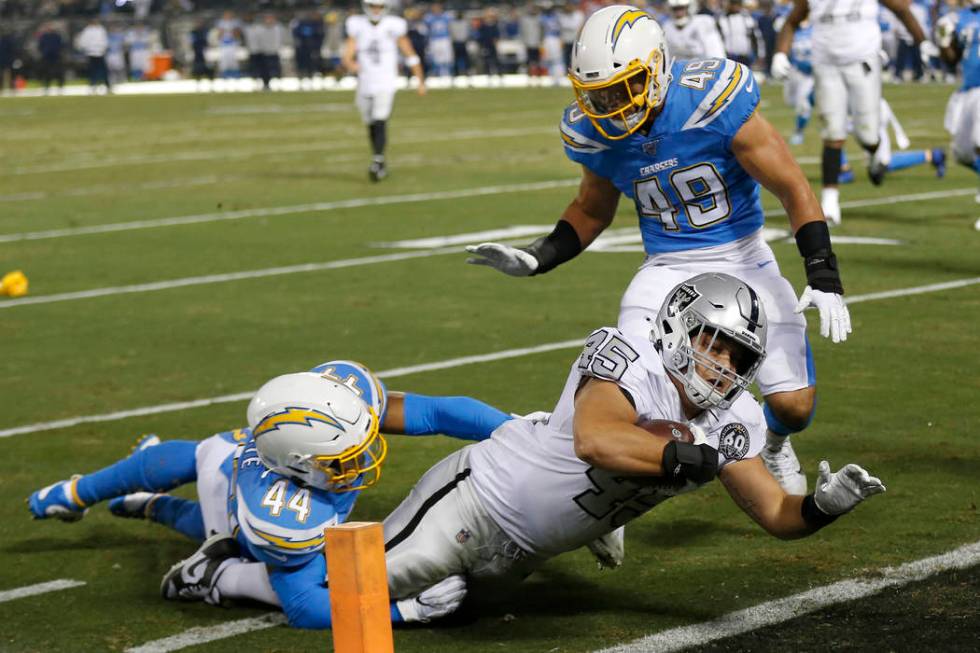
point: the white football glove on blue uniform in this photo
(835, 319)
(439, 600)
(839, 492)
(509, 260)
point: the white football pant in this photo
(855, 86)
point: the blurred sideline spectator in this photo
(50, 45)
(93, 42)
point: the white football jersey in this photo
(377, 51)
(546, 499)
(844, 32)
(698, 39)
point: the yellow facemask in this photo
(617, 99)
(358, 468)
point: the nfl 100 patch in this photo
(733, 443)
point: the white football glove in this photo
(609, 550)
(439, 600)
(928, 50)
(507, 259)
(835, 319)
(839, 492)
(780, 67)
(535, 416)
(945, 30)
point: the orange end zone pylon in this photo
(359, 603)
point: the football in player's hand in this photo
(666, 428)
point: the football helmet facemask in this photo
(374, 9)
(317, 432)
(620, 69)
(711, 334)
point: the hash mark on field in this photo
(414, 369)
(204, 634)
(780, 610)
(40, 588)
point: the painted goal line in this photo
(780, 610)
(415, 369)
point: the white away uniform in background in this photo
(846, 67)
(499, 508)
(697, 39)
(377, 63)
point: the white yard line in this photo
(204, 634)
(315, 207)
(780, 610)
(40, 588)
(414, 369)
(224, 155)
(244, 396)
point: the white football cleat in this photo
(134, 506)
(782, 463)
(609, 550)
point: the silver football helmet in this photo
(374, 9)
(317, 431)
(711, 335)
(681, 11)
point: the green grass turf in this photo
(899, 397)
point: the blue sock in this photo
(154, 469)
(907, 159)
(976, 165)
(182, 515)
(843, 158)
(801, 122)
(460, 417)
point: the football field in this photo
(184, 249)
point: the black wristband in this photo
(813, 241)
(552, 250)
(683, 462)
(813, 516)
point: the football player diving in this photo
(685, 141)
(313, 443)
(640, 420)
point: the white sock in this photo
(247, 580)
(829, 195)
(774, 441)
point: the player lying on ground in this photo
(684, 140)
(319, 434)
(496, 510)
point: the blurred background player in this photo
(958, 36)
(552, 58)
(313, 442)
(440, 42)
(798, 87)
(374, 41)
(691, 35)
(740, 33)
(847, 75)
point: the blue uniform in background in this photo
(689, 190)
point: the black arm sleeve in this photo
(813, 241)
(814, 517)
(552, 250)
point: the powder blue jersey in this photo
(438, 25)
(801, 52)
(690, 191)
(968, 37)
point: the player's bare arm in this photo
(606, 435)
(349, 56)
(412, 61)
(790, 517)
(592, 210)
(763, 153)
(901, 10)
(784, 40)
(761, 150)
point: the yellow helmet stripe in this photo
(294, 415)
(627, 18)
